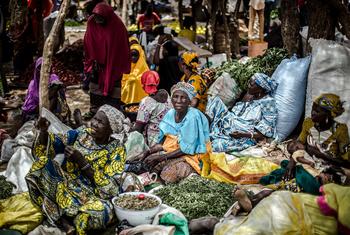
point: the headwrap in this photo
(133, 38)
(191, 60)
(150, 81)
(185, 87)
(208, 75)
(331, 103)
(265, 82)
(119, 124)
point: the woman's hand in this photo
(239, 135)
(75, 156)
(154, 159)
(294, 146)
(290, 170)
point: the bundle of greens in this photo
(5, 188)
(197, 197)
(266, 63)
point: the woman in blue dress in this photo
(250, 120)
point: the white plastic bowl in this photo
(136, 217)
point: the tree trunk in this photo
(48, 54)
(322, 20)
(227, 30)
(180, 14)
(290, 26)
(212, 24)
(125, 12)
(343, 15)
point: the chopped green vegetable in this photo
(137, 202)
(266, 63)
(197, 197)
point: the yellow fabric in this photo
(171, 144)
(244, 170)
(337, 198)
(132, 38)
(132, 91)
(189, 34)
(332, 103)
(19, 213)
(283, 212)
(188, 58)
(200, 87)
(337, 141)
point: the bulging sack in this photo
(329, 73)
(226, 88)
(291, 76)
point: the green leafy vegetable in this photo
(5, 188)
(197, 197)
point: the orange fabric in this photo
(171, 144)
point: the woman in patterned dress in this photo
(152, 108)
(78, 191)
(249, 121)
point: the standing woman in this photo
(107, 57)
(189, 65)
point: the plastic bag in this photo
(291, 76)
(329, 73)
(172, 219)
(19, 213)
(226, 88)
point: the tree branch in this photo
(48, 53)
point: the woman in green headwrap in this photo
(320, 154)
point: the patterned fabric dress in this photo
(65, 191)
(151, 113)
(201, 88)
(257, 115)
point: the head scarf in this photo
(208, 75)
(185, 87)
(107, 44)
(32, 98)
(265, 82)
(133, 38)
(331, 103)
(191, 60)
(119, 124)
(150, 81)
(132, 91)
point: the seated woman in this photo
(189, 65)
(79, 191)
(249, 121)
(132, 91)
(152, 108)
(57, 97)
(184, 138)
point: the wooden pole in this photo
(124, 12)
(227, 30)
(48, 53)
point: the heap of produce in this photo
(197, 197)
(266, 63)
(139, 202)
(67, 64)
(6, 188)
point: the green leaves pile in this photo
(5, 188)
(197, 197)
(266, 63)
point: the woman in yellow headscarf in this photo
(189, 64)
(132, 91)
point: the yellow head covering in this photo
(331, 103)
(191, 60)
(132, 38)
(132, 91)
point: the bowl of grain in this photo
(136, 207)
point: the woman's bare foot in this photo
(243, 200)
(203, 225)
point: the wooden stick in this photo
(48, 54)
